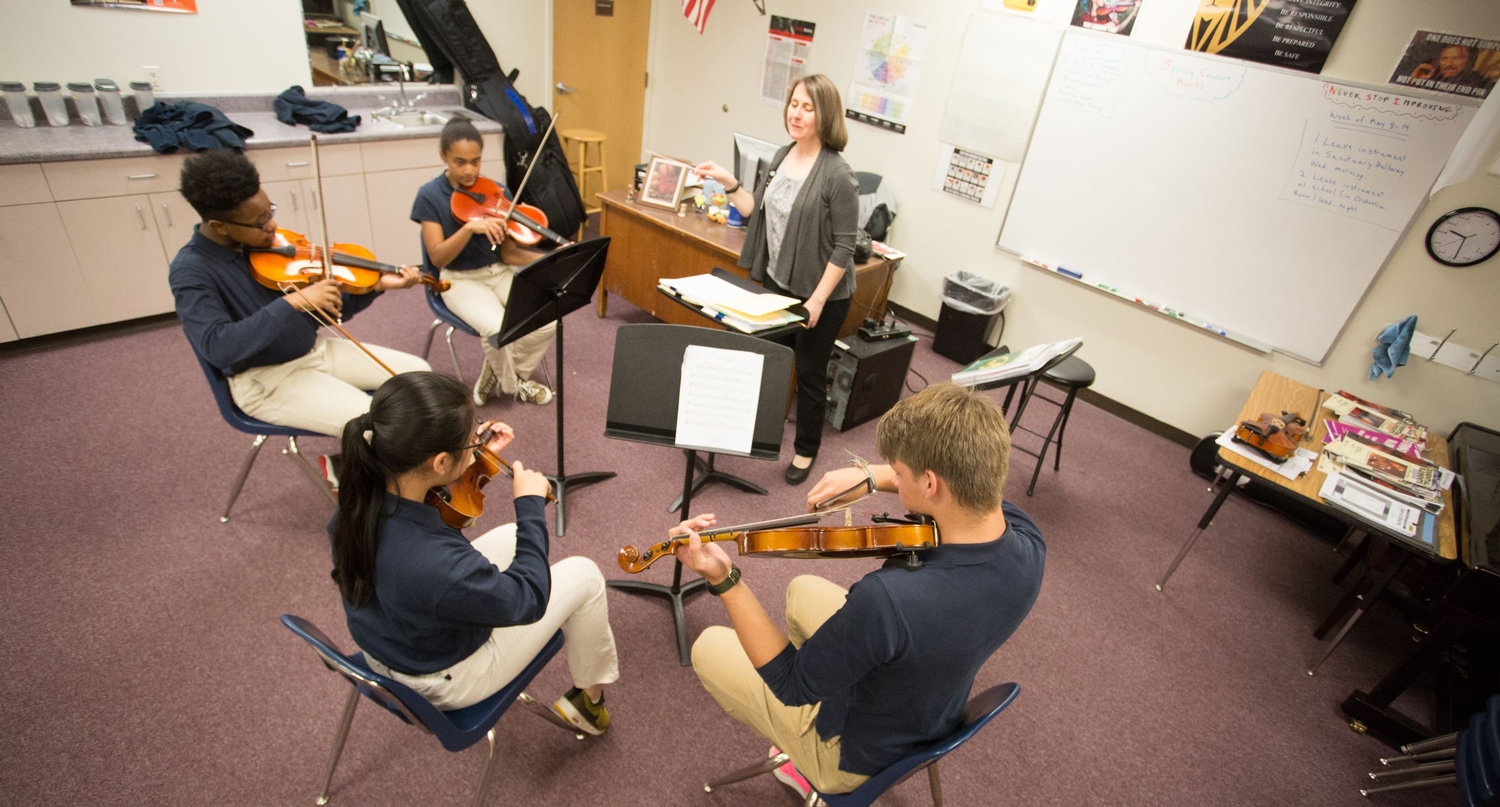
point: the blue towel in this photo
(189, 125)
(1392, 347)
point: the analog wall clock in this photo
(1464, 237)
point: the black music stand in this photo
(643, 389)
(555, 285)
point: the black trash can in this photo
(971, 304)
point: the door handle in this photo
(168, 212)
(312, 199)
(564, 89)
(294, 203)
(141, 214)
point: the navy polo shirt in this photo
(230, 319)
(434, 203)
(894, 666)
(437, 598)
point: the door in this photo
(291, 209)
(599, 79)
(120, 255)
(39, 279)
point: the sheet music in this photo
(719, 397)
(997, 88)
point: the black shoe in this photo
(795, 475)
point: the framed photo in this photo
(664, 182)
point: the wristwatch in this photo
(729, 582)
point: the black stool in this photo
(1071, 374)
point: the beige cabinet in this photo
(291, 210)
(398, 239)
(41, 284)
(23, 184)
(120, 255)
(175, 220)
(348, 210)
(7, 330)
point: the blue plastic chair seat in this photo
(232, 414)
(441, 310)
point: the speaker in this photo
(865, 378)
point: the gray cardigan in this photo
(819, 231)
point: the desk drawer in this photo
(277, 165)
(123, 176)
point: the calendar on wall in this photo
(969, 175)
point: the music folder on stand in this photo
(552, 287)
(644, 385)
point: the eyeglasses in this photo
(269, 217)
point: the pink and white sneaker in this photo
(328, 467)
(789, 775)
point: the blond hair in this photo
(957, 434)
(828, 109)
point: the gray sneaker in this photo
(533, 392)
(485, 385)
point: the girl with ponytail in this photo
(451, 619)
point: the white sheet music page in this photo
(720, 393)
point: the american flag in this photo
(697, 12)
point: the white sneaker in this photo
(485, 385)
(533, 392)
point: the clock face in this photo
(1464, 237)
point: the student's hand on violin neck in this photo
(706, 558)
(697, 523)
(528, 483)
(408, 276)
(323, 295)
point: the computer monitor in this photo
(752, 158)
(317, 8)
(372, 33)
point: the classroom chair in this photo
(445, 316)
(981, 710)
(262, 430)
(1066, 372)
(456, 730)
(1468, 759)
(582, 138)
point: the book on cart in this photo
(1014, 364)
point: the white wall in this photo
(520, 32)
(228, 46)
(1186, 378)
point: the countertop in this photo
(45, 143)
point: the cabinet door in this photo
(175, 219)
(348, 210)
(398, 239)
(7, 330)
(40, 281)
(291, 210)
(119, 253)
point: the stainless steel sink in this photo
(412, 118)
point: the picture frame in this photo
(665, 179)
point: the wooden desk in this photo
(649, 243)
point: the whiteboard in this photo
(1254, 198)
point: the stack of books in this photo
(1014, 364)
(725, 302)
(1374, 459)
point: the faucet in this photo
(405, 104)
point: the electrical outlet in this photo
(152, 75)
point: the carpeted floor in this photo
(143, 662)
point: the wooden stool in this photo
(583, 137)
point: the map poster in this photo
(179, 6)
(788, 45)
(1287, 33)
(886, 68)
(1460, 65)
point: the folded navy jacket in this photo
(294, 107)
(189, 125)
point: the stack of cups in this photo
(144, 96)
(109, 99)
(17, 102)
(50, 94)
(86, 101)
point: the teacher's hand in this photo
(814, 311)
(713, 171)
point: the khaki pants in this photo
(478, 297)
(728, 675)
(322, 390)
(577, 605)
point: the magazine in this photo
(1356, 497)
(1409, 449)
(1014, 364)
(1364, 417)
(1390, 466)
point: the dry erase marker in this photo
(1110, 289)
(1070, 273)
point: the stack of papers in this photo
(1012, 365)
(727, 303)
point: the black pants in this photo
(812, 347)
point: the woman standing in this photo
(799, 242)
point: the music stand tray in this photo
(552, 287)
(644, 384)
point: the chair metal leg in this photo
(936, 785)
(758, 769)
(1441, 753)
(1445, 766)
(239, 483)
(1041, 457)
(547, 714)
(338, 741)
(1067, 411)
(1444, 741)
(489, 771)
(1420, 783)
(812, 799)
(453, 354)
(431, 329)
(312, 473)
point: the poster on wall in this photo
(788, 47)
(969, 175)
(178, 6)
(886, 68)
(1109, 16)
(1287, 33)
(1460, 65)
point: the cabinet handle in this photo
(167, 211)
(312, 199)
(294, 203)
(141, 176)
(297, 164)
(141, 214)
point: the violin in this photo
(486, 198)
(461, 502)
(787, 538)
(293, 260)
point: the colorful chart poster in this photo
(178, 6)
(969, 175)
(1286, 33)
(1460, 65)
(788, 46)
(886, 68)
(1109, 16)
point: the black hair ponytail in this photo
(412, 418)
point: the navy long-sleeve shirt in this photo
(437, 599)
(893, 667)
(231, 320)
